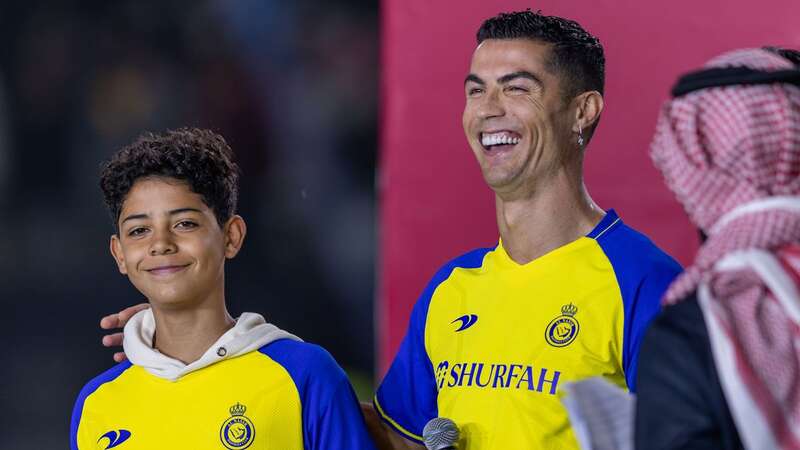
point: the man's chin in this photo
(497, 180)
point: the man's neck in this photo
(546, 219)
(186, 334)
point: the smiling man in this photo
(568, 290)
(196, 377)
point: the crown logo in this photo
(237, 409)
(569, 310)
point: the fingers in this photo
(110, 321)
(125, 315)
(112, 340)
(118, 320)
(119, 357)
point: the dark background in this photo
(292, 86)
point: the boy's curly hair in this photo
(199, 157)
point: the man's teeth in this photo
(488, 140)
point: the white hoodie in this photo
(250, 333)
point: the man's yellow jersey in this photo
(490, 342)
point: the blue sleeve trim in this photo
(408, 393)
(331, 413)
(77, 411)
(644, 272)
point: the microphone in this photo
(440, 433)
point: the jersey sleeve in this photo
(644, 272)
(641, 310)
(82, 432)
(332, 416)
(407, 397)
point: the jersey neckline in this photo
(608, 220)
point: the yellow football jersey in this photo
(287, 395)
(490, 342)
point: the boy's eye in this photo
(186, 224)
(138, 231)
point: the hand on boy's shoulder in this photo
(117, 321)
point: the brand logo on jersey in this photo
(467, 321)
(115, 437)
(237, 431)
(496, 376)
(441, 373)
(562, 330)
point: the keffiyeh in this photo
(731, 155)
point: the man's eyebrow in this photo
(520, 74)
(474, 78)
(171, 213)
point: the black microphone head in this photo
(440, 433)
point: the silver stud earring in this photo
(580, 136)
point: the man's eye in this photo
(474, 91)
(516, 89)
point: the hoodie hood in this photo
(251, 332)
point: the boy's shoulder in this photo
(305, 362)
(91, 387)
(106, 377)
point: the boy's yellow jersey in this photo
(490, 342)
(287, 395)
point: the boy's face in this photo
(170, 244)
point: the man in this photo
(569, 289)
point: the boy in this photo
(196, 377)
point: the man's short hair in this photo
(576, 55)
(201, 158)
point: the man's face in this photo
(169, 244)
(515, 118)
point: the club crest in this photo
(237, 431)
(562, 330)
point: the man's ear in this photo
(235, 230)
(116, 251)
(589, 105)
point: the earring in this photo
(580, 136)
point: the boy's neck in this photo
(186, 334)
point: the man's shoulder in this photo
(634, 253)
(468, 260)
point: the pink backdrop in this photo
(433, 203)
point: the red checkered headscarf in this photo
(731, 155)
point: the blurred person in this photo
(196, 377)
(568, 290)
(720, 367)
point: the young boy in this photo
(196, 377)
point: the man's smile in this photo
(499, 140)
